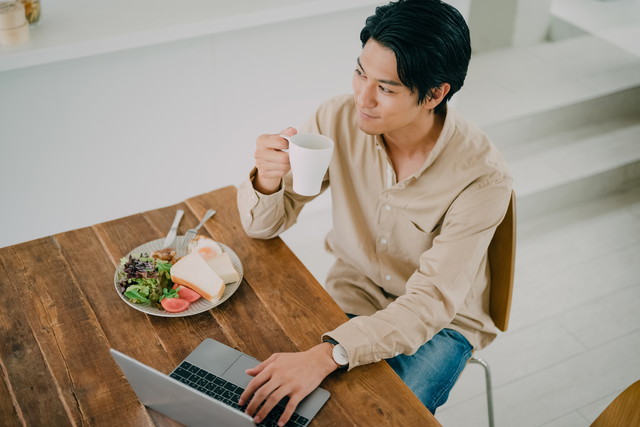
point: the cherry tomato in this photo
(175, 305)
(186, 293)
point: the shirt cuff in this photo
(258, 211)
(355, 341)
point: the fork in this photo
(191, 233)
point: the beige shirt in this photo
(411, 256)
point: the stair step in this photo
(515, 83)
(571, 193)
(565, 114)
(621, 104)
(575, 165)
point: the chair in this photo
(624, 411)
(502, 260)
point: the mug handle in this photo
(288, 138)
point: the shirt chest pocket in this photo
(413, 237)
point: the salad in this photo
(145, 279)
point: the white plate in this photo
(195, 307)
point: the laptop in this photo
(205, 387)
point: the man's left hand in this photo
(286, 374)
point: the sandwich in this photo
(193, 272)
(219, 261)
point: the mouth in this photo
(366, 116)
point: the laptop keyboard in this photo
(227, 392)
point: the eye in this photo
(359, 72)
(385, 90)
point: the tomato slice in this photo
(186, 293)
(174, 305)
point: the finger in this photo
(289, 410)
(257, 382)
(260, 396)
(273, 156)
(271, 142)
(270, 403)
(257, 369)
(289, 131)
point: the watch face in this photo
(340, 355)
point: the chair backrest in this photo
(502, 260)
(624, 411)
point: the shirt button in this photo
(383, 241)
(388, 277)
(387, 207)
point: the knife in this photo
(171, 237)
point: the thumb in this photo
(289, 131)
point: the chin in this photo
(369, 130)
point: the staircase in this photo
(565, 114)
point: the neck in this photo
(416, 142)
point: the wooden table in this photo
(60, 314)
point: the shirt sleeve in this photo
(439, 286)
(266, 216)
(261, 215)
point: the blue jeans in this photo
(432, 371)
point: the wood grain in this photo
(25, 366)
(502, 262)
(63, 314)
(294, 291)
(624, 411)
(73, 347)
(305, 311)
(8, 407)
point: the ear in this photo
(438, 95)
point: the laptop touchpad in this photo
(236, 373)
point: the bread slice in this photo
(223, 267)
(194, 273)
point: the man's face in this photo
(384, 104)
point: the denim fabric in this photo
(433, 370)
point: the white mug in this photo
(309, 155)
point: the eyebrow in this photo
(388, 82)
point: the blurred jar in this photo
(14, 28)
(31, 10)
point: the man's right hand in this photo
(271, 162)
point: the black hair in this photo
(430, 40)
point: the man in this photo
(417, 193)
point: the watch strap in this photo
(335, 343)
(331, 340)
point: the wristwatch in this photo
(339, 354)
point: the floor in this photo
(574, 339)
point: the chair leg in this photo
(487, 375)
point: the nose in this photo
(365, 95)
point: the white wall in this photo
(89, 140)
(93, 139)
(497, 24)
